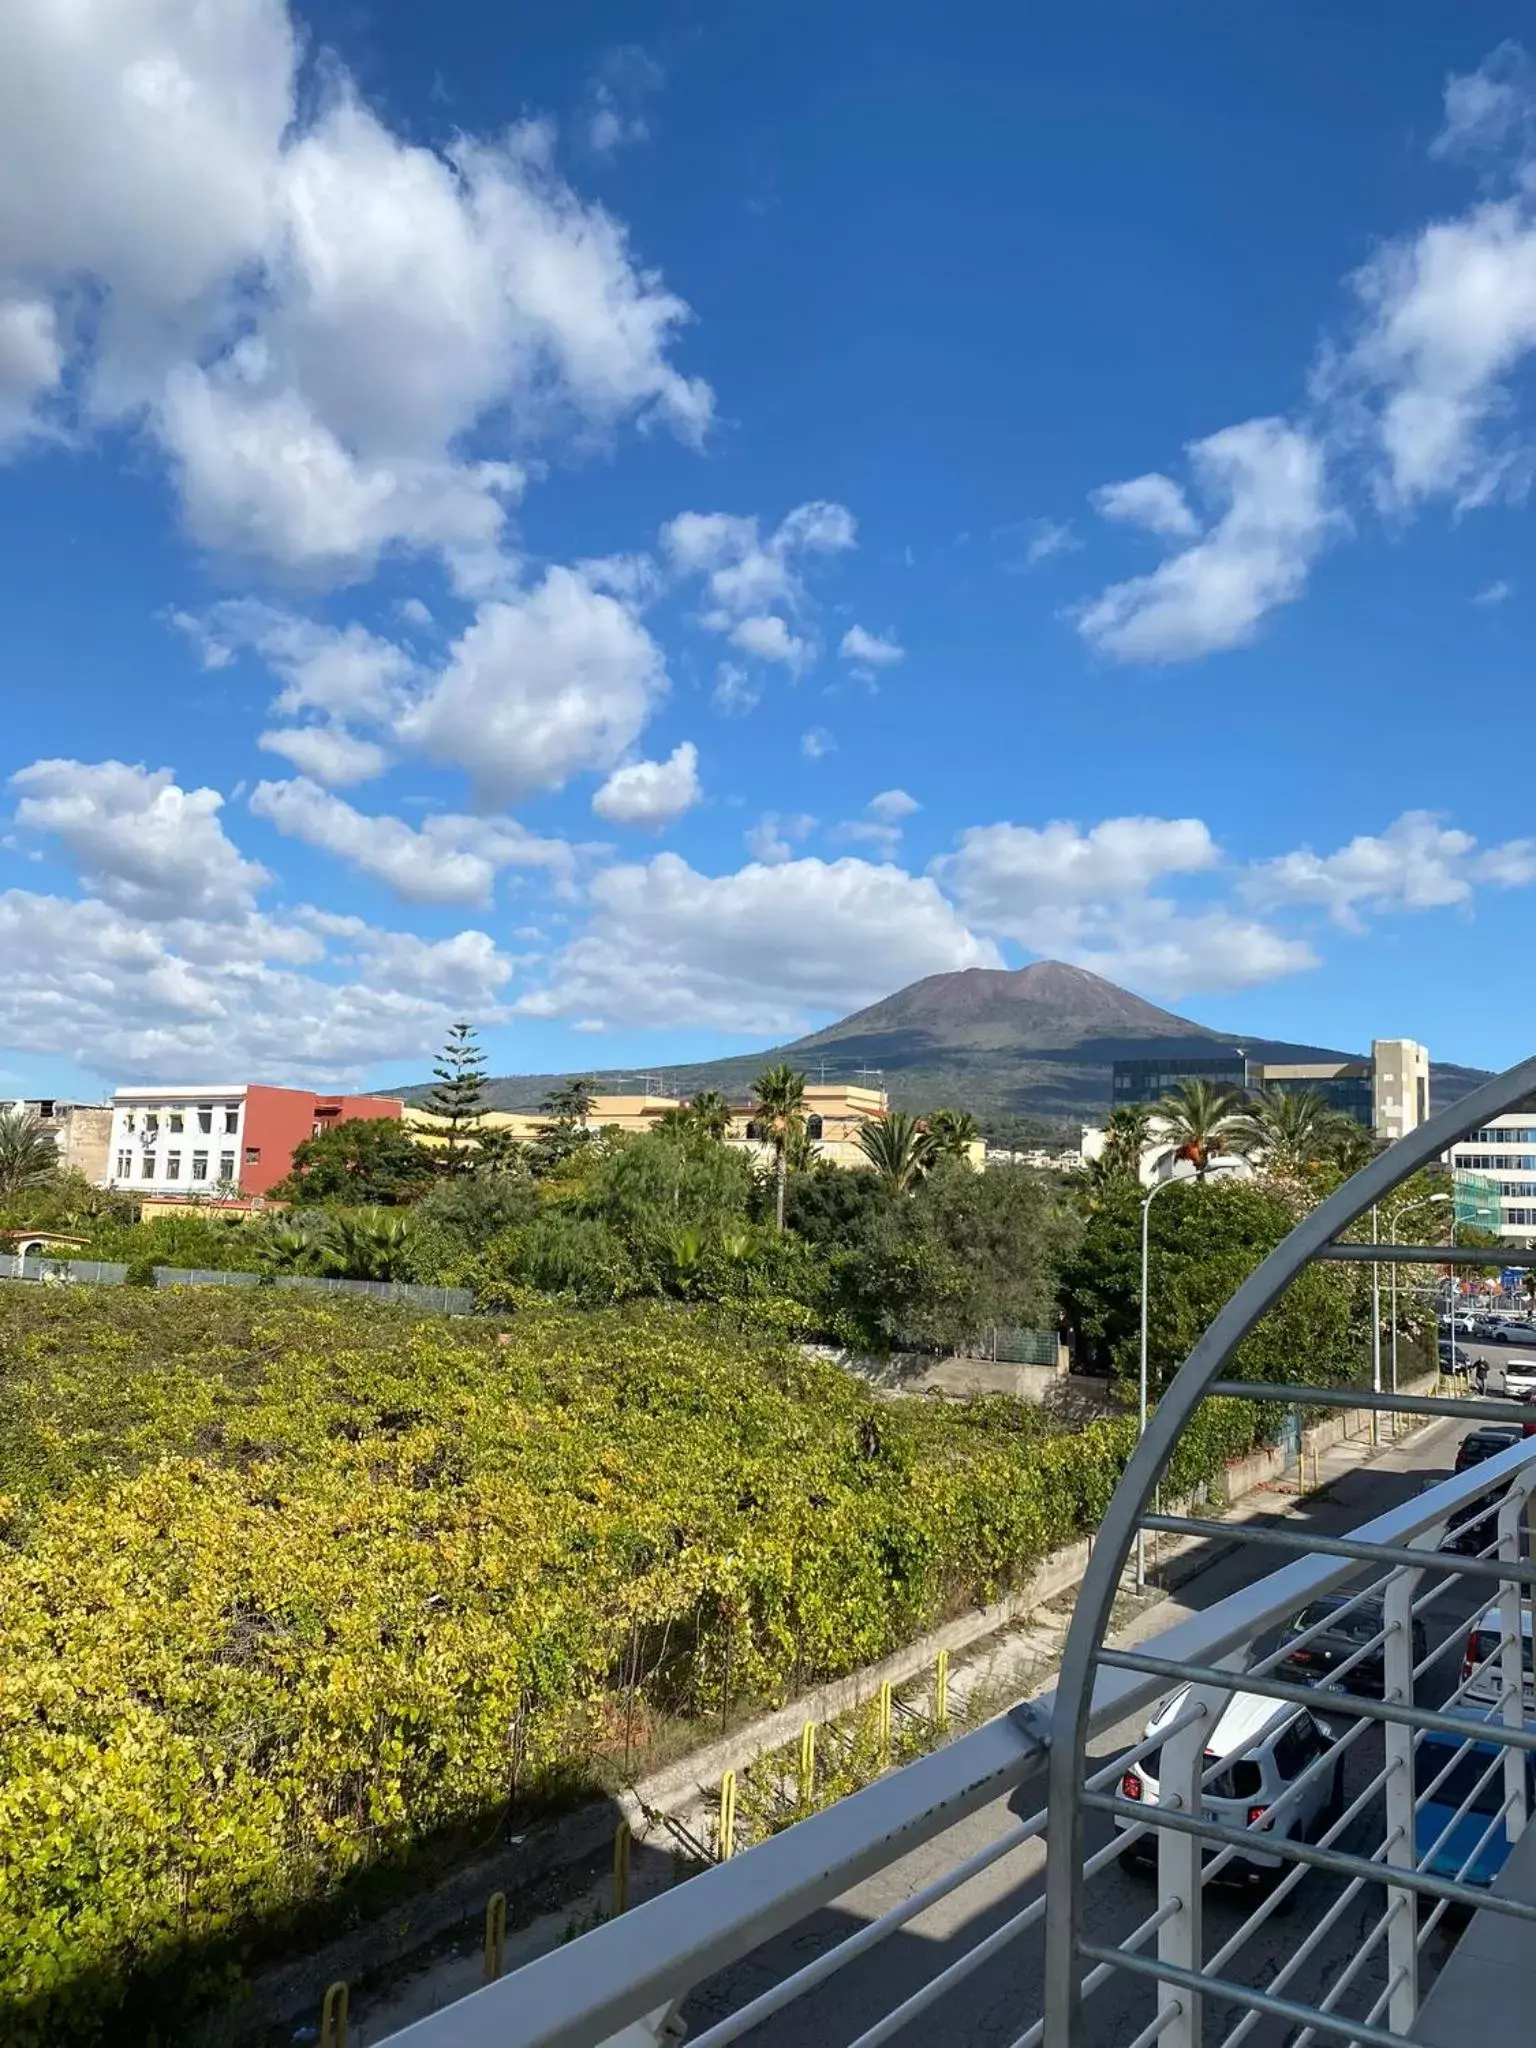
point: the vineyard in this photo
(300, 1600)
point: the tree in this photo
(778, 1109)
(497, 1151)
(711, 1114)
(29, 1156)
(367, 1160)
(1127, 1133)
(364, 1244)
(954, 1132)
(1205, 1238)
(1296, 1132)
(1200, 1122)
(567, 1108)
(898, 1148)
(458, 1094)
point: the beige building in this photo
(834, 1115)
(82, 1131)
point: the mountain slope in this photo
(1034, 1043)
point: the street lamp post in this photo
(1217, 1168)
(1394, 1218)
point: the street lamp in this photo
(1217, 1168)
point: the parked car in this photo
(1269, 1746)
(1513, 1330)
(1453, 1358)
(1474, 1525)
(1486, 1689)
(1313, 1663)
(1463, 1765)
(1480, 1444)
(1520, 1379)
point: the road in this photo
(1003, 1997)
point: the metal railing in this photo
(1348, 1811)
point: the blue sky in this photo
(651, 527)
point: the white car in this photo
(1269, 1745)
(1487, 1688)
(1520, 1379)
(1513, 1330)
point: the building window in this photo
(125, 1165)
(128, 1120)
(151, 1123)
(253, 1155)
(173, 1166)
(147, 1169)
(226, 1166)
(813, 1127)
(199, 1165)
(231, 1119)
(176, 1119)
(205, 1116)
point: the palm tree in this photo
(1201, 1120)
(29, 1155)
(365, 1244)
(1295, 1131)
(778, 1109)
(711, 1114)
(898, 1148)
(1127, 1133)
(954, 1132)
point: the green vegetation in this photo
(300, 1599)
(28, 1155)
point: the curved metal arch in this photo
(1117, 1532)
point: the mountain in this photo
(1034, 1044)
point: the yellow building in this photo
(834, 1112)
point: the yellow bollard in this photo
(495, 1935)
(941, 1691)
(621, 1842)
(333, 2018)
(807, 1763)
(727, 1847)
(883, 1718)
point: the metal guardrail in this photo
(623, 1980)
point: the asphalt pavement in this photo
(996, 2004)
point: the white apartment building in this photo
(176, 1141)
(1504, 1151)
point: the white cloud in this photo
(892, 805)
(329, 753)
(614, 117)
(769, 639)
(1215, 593)
(816, 743)
(414, 612)
(772, 840)
(449, 860)
(753, 582)
(125, 1000)
(858, 645)
(1047, 537)
(755, 951)
(651, 792)
(1085, 896)
(1153, 501)
(733, 693)
(1418, 863)
(1161, 949)
(148, 847)
(314, 335)
(1005, 876)
(558, 679)
(1490, 110)
(31, 361)
(1494, 593)
(343, 673)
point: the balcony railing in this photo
(1372, 1819)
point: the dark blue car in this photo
(1463, 1765)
